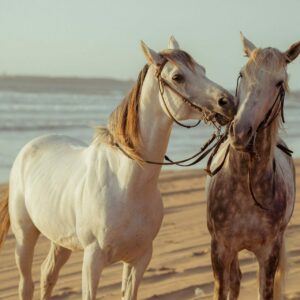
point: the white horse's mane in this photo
(123, 123)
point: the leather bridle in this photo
(162, 83)
(277, 106)
(205, 149)
(276, 109)
(221, 137)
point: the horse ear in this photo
(151, 56)
(292, 52)
(173, 44)
(248, 46)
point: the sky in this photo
(98, 38)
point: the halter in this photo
(162, 83)
(205, 149)
(276, 108)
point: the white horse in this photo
(102, 198)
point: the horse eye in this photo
(178, 78)
(279, 83)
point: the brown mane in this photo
(123, 123)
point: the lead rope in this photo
(250, 183)
(202, 154)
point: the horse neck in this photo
(262, 162)
(155, 129)
(155, 125)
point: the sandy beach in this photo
(180, 268)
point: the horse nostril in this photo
(222, 101)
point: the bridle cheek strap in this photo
(274, 111)
(162, 83)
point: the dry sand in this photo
(181, 260)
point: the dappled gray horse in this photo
(251, 200)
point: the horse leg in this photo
(136, 275)
(235, 279)
(279, 281)
(25, 242)
(126, 272)
(26, 235)
(93, 264)
(221, 260)
(51, 266)
(268, 260)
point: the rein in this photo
(268, 120)
(201, 154)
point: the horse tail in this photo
(279, 281)
(4, 216)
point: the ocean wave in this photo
(43, 127)
(24, 116)
(9, 108)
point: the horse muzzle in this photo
(242, 136)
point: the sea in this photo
(34, 106)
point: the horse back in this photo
(47, 178)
